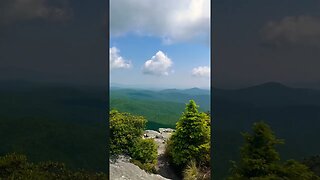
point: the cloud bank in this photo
(173, 21)
(22, 10)
(158, 65)
(117, 61)
(201, 71)
(293, 30)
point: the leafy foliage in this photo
(191, 140)
(260, 160)
(145, 151)
(126, 132)
(15, 166)
(313, 163)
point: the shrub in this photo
(145, 154)
(145, 151)
(148, 167)
(125, 131)
(15, 166)
(191, 140)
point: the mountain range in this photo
(293, 113)
(162, 108)
(66, 123)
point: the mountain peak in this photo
(269, 85)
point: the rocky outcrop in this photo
(122, 169)
(161, 137)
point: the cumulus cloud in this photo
(181, 20)
(201, 71)
(159, 64)
(117, 61)
(17, 10)
(294, 30)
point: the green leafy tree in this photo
(191, 140)
(260, 160)
(125, 131)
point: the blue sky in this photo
(171, 50)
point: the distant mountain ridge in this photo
(270, 94)
(161, 108)
(191, 91)
(293, 113)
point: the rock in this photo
(166, 130)
(152, 134)
(121, 169)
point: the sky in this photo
(62, 41)
(253, 42)
(160, 43)
(266, 41)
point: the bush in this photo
(145, 151)
(15, 166)
(148, 167)
(145, 154)
(191, 140)
(125, 131)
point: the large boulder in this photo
(152, 134)
(122, 169)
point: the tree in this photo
(260, 160)
(125, 131)
(191, 140)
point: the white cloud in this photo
(159, 64)
(173, 21)
(201, 71)
(13, 10)
(293, 30)
(117, 61)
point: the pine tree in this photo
(191, 140)
(260, 160)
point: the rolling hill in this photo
(293, 113)
(54, 122)
(161, 108)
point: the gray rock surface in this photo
(152, 134)
(166, 130)
(122, 169)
